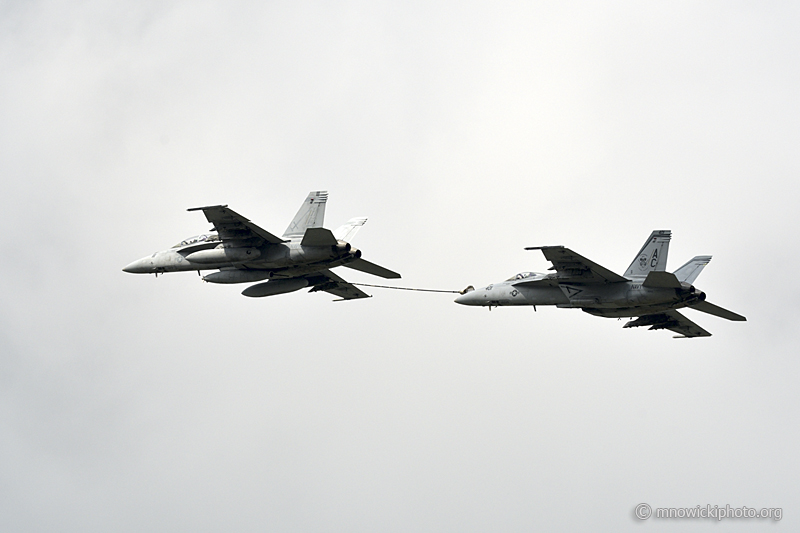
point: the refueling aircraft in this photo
(242, 252)
(646, 291)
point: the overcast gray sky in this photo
(465, 131)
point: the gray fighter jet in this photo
(243, 253)
(646, 290)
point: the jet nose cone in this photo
(468, 297)
(137, 267)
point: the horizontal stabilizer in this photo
(318, 237)
(716, 310)
(661, 279)
(348, 230)
(372, 268)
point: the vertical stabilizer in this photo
(652, 256)
(310, 215)
(692, 269)
(349, 229)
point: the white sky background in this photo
(465, 131)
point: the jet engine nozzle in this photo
(342, 247)
(701, 296)
(692, 293)
(355, 252)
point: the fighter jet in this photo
(646, 290)
(242, 252)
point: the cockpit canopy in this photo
(206, 237)
(523, 275)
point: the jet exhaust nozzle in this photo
(701, 296)
(277, 286)
(693, 293)
(342, 247)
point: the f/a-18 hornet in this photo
(646, 290)
(243, 253)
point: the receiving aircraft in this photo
(646, 290)
(243, 253)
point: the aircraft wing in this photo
(327, 281)
(671, 320)
(233, 227)
(574, 268)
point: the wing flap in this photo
(574, 268)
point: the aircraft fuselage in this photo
(610, 300)
(279, 260)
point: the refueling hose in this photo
(413, 289)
